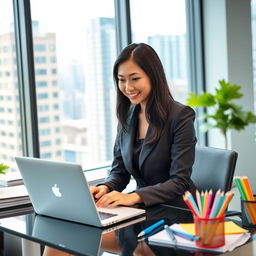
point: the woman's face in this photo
(133, 82)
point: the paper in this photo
(11, 179)
(231, 241)
(13, 192)
(13, 196)
(229, 226)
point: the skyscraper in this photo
(10, 134)
(100, 89)
(172, 52)
(47, 97)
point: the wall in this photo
(228, 55)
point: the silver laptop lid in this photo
(50, 186)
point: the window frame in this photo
(26, 78)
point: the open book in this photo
(231, 241)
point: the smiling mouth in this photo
(133, 95)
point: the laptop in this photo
(72, 236)
(60, 190)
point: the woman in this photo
(156, 138)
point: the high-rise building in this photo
(172, 52)
(47, 91)
(10, 134)
(48, 98)
(100, 89)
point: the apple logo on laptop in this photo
(56, 191)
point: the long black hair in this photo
(159, 98)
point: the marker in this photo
(184, 235)
(150, 228)
(170, 233)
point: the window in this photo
(41, 72)
(42, 96)
(44, 120)
(70, 156)
(39, 47)
(9, 122)
(41, 83)
(40, 59)
(165, 31)
(42, 108)
(73, 61)
(46, 131)
(45, 143)
(80, 52)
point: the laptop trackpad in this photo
(106, 215)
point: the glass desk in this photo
(79, 239)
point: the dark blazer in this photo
(165, 165)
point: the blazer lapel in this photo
(147, 147)
(128, 138)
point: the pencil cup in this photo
(210, 231)
(248, 213)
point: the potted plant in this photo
(222, 112)
(3, 167)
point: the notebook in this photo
(72, 236)
(231, 241)
(60, 190)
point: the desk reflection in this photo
(121, 241)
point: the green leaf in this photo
(3, 167)
(227, 92)
(203, 100)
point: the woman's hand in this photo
(115, 198)
(99, 191)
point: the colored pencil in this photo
(208, 204)
(214, 203)
(205, 203)
(189, 205)
(202, 201)
(242, 194)
(239, 187)
(246, 192)
(193, 203)
(246, 183)
(198, 199)
(249, 212)
(219, 204)
(247, 186)
(229, 196)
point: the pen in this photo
(150, 228)
(141, 238)
(170, 233)
(185, 235)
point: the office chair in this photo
(213, 168)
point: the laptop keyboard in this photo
(106, 215)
